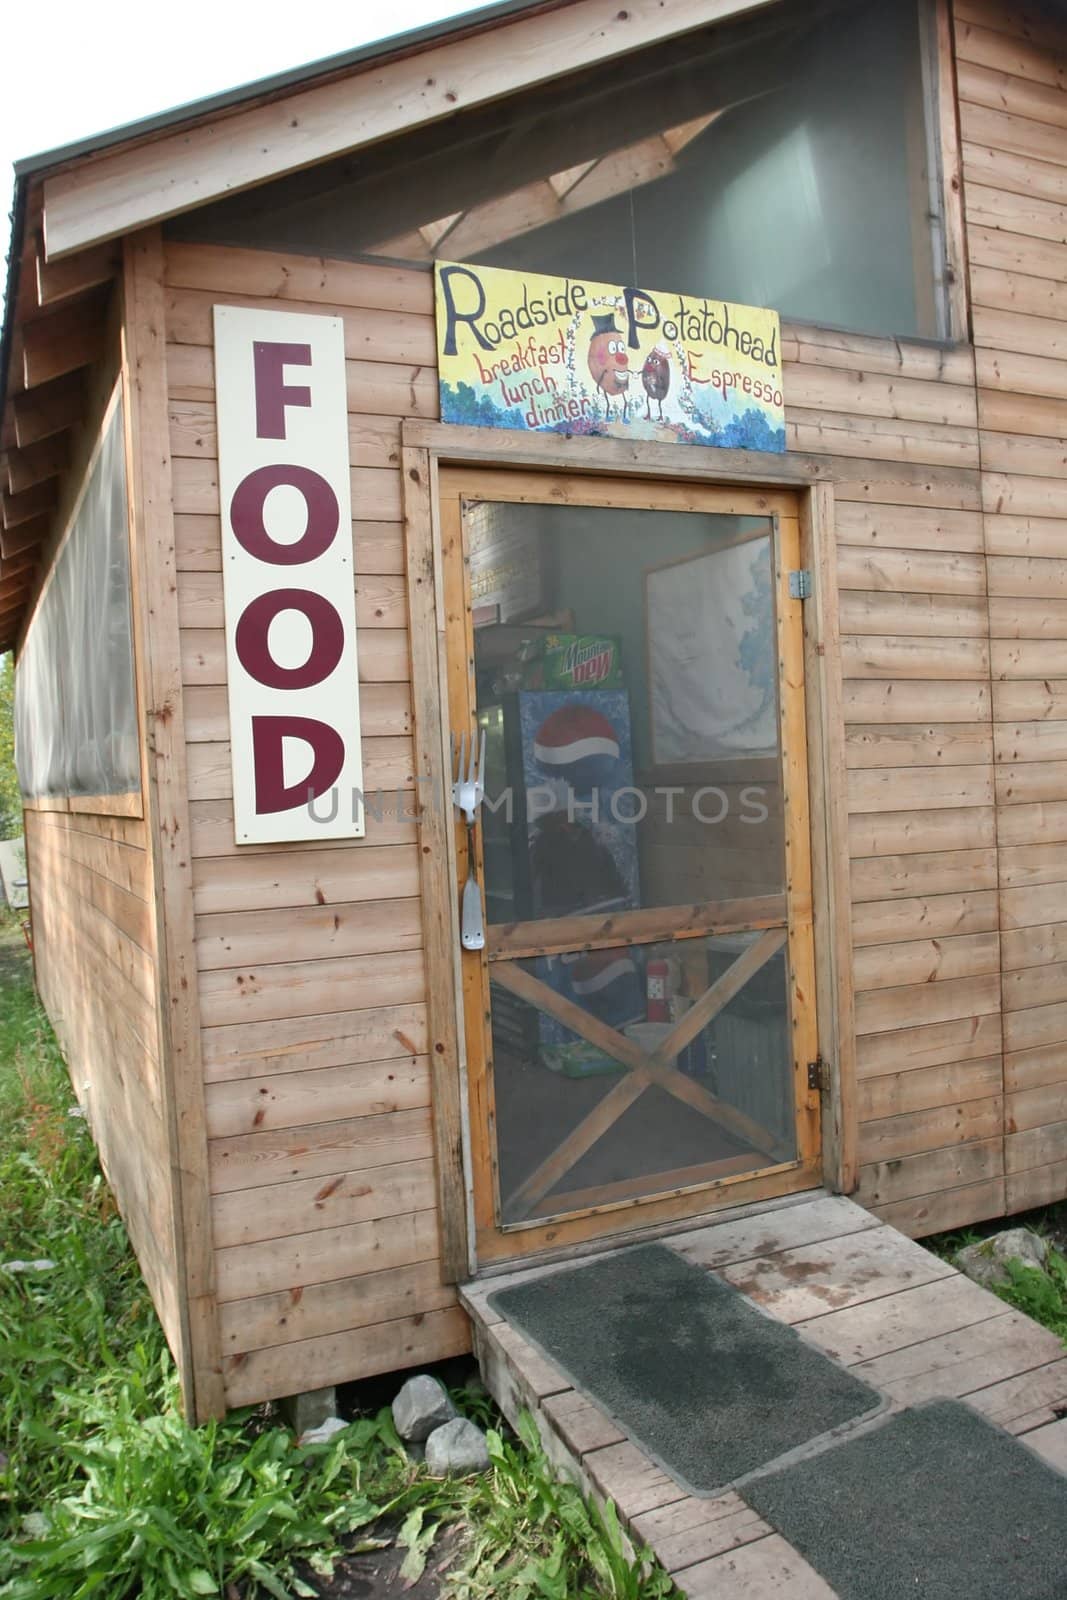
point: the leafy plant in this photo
(1041, 1294)
(167, 1510)
(536, 1538)
(105, 1491)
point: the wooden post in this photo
(437, 865)
(155, 600)
(829, 840)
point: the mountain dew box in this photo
(575, 661)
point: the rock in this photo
(455, 1449)
(309, 1409)
(985, 1261)
(41, 1265)
(324, 1432)
(421, 1406)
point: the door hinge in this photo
(800, 584)
(817, 1074)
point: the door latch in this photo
(468, 792)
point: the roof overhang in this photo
(148, 179)
(74, 205)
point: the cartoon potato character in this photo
(656, 377)
(609, 363)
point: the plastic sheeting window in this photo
(75, 706)
(783, 159)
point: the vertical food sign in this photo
(288, 583)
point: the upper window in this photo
(780, 161)
(75, 704)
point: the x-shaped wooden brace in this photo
(645, 1069)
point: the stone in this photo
(324, 1432)
(456, 1449)
(421, 1406)
(309, 1409)
(985, 1261)
(42, 1264)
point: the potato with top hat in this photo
(609, 364)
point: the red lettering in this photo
(268, 737)
(691, 365)
(273, 394)
(251, 640)
(246, 514)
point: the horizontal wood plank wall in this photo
(311, 973)
(950, 481)
(93, 938)
(1013, 112)
(900, 423)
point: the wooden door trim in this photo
(598, 930)
(499, 449)
(425, 448)
(831, 881)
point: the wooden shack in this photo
(828, 952)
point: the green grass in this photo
(1041, 1294)
(106, 1492)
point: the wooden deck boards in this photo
(900, 1317)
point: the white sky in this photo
(74, 69)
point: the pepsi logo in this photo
(578, 744)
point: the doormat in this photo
(687, 1366)
(935, 1502)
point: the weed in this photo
(1041, 1294)
(106, 1491)
(533, 1537)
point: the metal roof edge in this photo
(14, 261)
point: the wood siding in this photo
(93, 942)
(899, 422)
(1013, 117)
(93, 915)
(311, 972)
(949, 474)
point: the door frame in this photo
(425, 448)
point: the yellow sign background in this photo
(523, 350)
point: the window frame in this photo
(938, 197)
(129, 802)
(937, 51)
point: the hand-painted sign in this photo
(519, 350)
(288, 576)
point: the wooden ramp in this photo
(897, 1315)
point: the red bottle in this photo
(657, 1004)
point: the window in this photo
(782, 160)
(75, 701)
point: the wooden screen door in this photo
(640, 1021)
